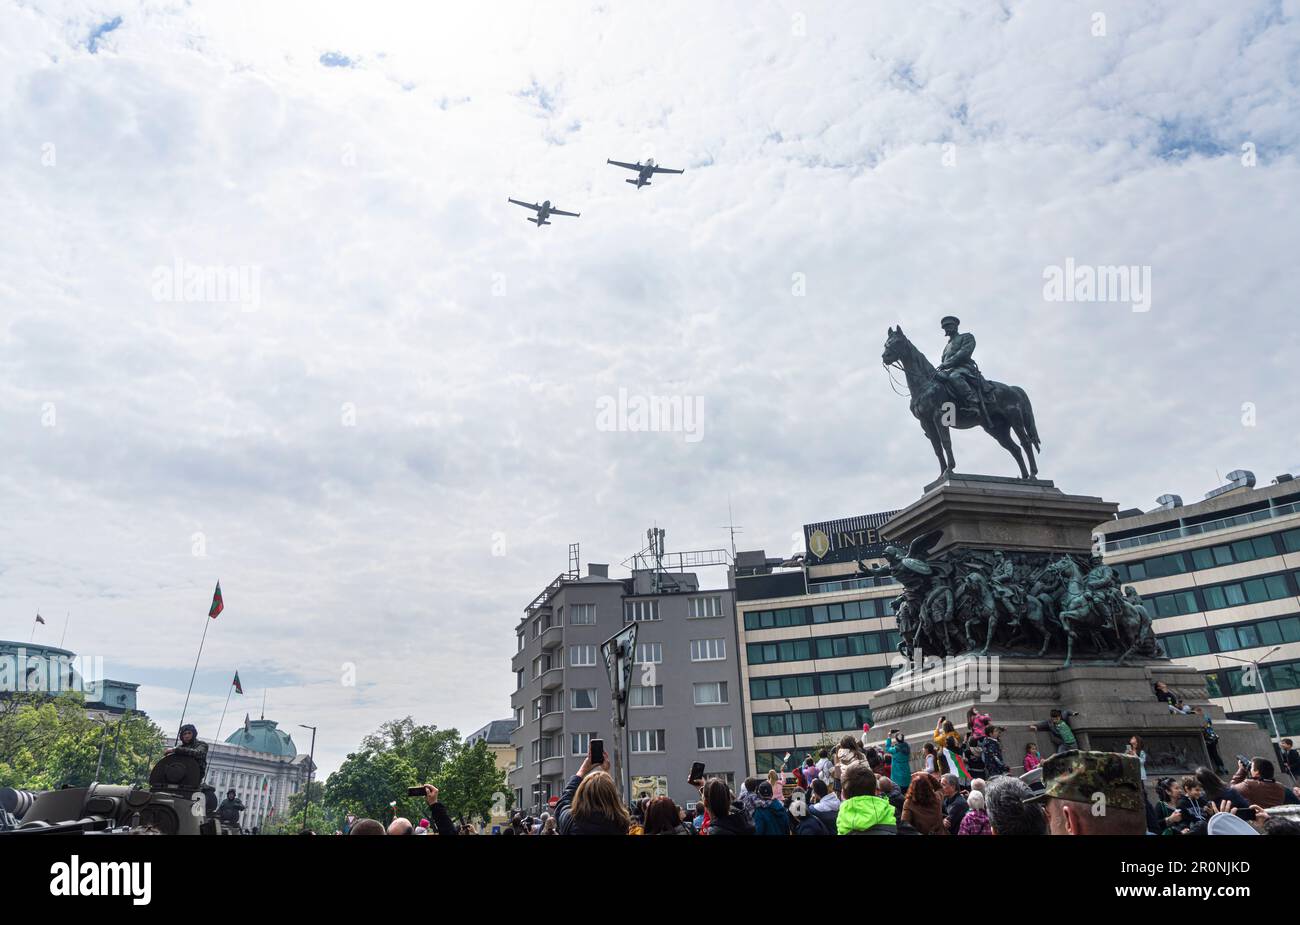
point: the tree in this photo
(321, 818)
(49, 742)
(368, 781)
(471, 785)
(425, 748)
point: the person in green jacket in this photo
(862, 812)
(900, 759)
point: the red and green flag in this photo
(217, 604)
(957, 766)
(239, 688)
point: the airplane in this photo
(543, 211)
(643, 171)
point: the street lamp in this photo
(1259, 677)
(311, 766)
(794, 736)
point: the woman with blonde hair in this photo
(774, 779)
(590, 804)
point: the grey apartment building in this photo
(685, 701)
(1220, 578)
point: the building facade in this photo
(263, 766)
(27, 667)
(1219, 578)
(684, 703)
(816, 640)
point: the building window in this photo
(711, 738)
(710, 692)
(582, 614)
(581, 741)
(536, 750)
(582, 698)
(640, 696)
(700, 607)
(519, 680)
(582, 656)
(649, 653)
(521, 643)
(646, 740)
(640, 611)
(708, 650)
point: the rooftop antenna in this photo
(574, 570)
(264, 703)
(731, 526)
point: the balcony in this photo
(552, 636)
(552, 679)
(553, 722)
(552, 767)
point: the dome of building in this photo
(260, 735)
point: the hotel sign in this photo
(845, 540)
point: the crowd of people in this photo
(962, 786)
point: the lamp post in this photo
(311, 767)
(794, 736)
(1259, 677)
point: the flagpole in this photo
(36, 620)
(184, 709)
(65, 628)
(222, 721)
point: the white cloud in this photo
(371, 201)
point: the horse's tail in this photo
(1028, 410)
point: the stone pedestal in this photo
(1033, 522)
(988, 512)
(1114, 702)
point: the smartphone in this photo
(697, 772)
(597, 751)
(415, 791)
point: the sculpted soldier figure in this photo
(959, 369)
(909, 569)
(1102, 584)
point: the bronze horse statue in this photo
(1006, 407)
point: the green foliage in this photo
(471, 785)
(49, 742)
(368, 781)
(320, 819)
(402, 754)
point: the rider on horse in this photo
(959, 370)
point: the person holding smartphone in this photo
(590, 804)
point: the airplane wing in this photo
(562, 212)
(527, 205)
(667, 170)
(623, 164)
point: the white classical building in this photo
(263, 766)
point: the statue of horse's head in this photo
(894, 344)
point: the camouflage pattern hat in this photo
(1079, 776)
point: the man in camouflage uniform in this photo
(189, 744)
(1092, 793)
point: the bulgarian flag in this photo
(956, 766)
(217, 604)
(239, 688)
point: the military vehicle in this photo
(176, 802)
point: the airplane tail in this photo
(638, 184)
(538, 222)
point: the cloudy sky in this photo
(383, 434)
